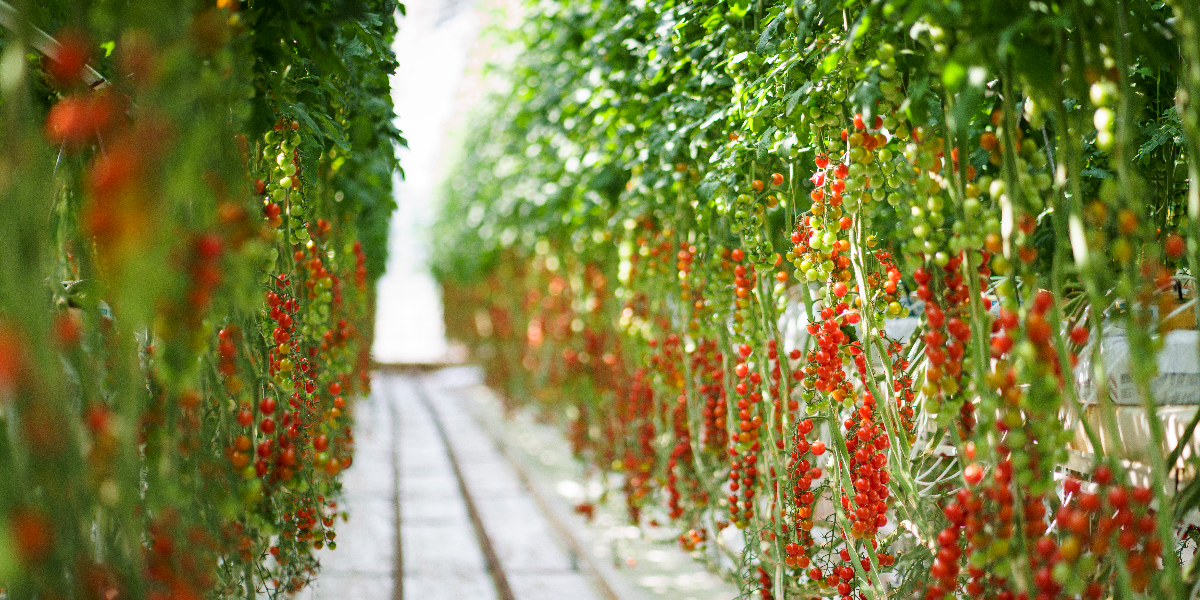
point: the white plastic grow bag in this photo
(1175, 390)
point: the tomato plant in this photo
(197, 199)
(826, 285)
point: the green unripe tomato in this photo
(977, 559)
(971, 207)
(1033, 113)
(996, 188)
(1028, 148)
(1110, 191)
(1086, 565)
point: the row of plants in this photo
(196, 197)
(865, 298)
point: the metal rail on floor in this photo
(394, 438)
(495, 569)
(590, 567)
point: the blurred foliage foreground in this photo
(866, 298)
(195, 200)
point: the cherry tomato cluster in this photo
(976, 242)
(178, 337)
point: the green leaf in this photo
(768, 40)
(831, 61)
(1168, 130)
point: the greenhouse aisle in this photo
(438, 509)
(469, 527)
(433, 46)
(428, 499)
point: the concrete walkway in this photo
(469, 527)
(365, 563)
(483, 507)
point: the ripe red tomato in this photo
(75, 120)
(1079, 335)
(1174, 245)
(31, 531)
(973, 473)
(67, 64)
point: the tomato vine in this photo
(196, 205)
(854, 264)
